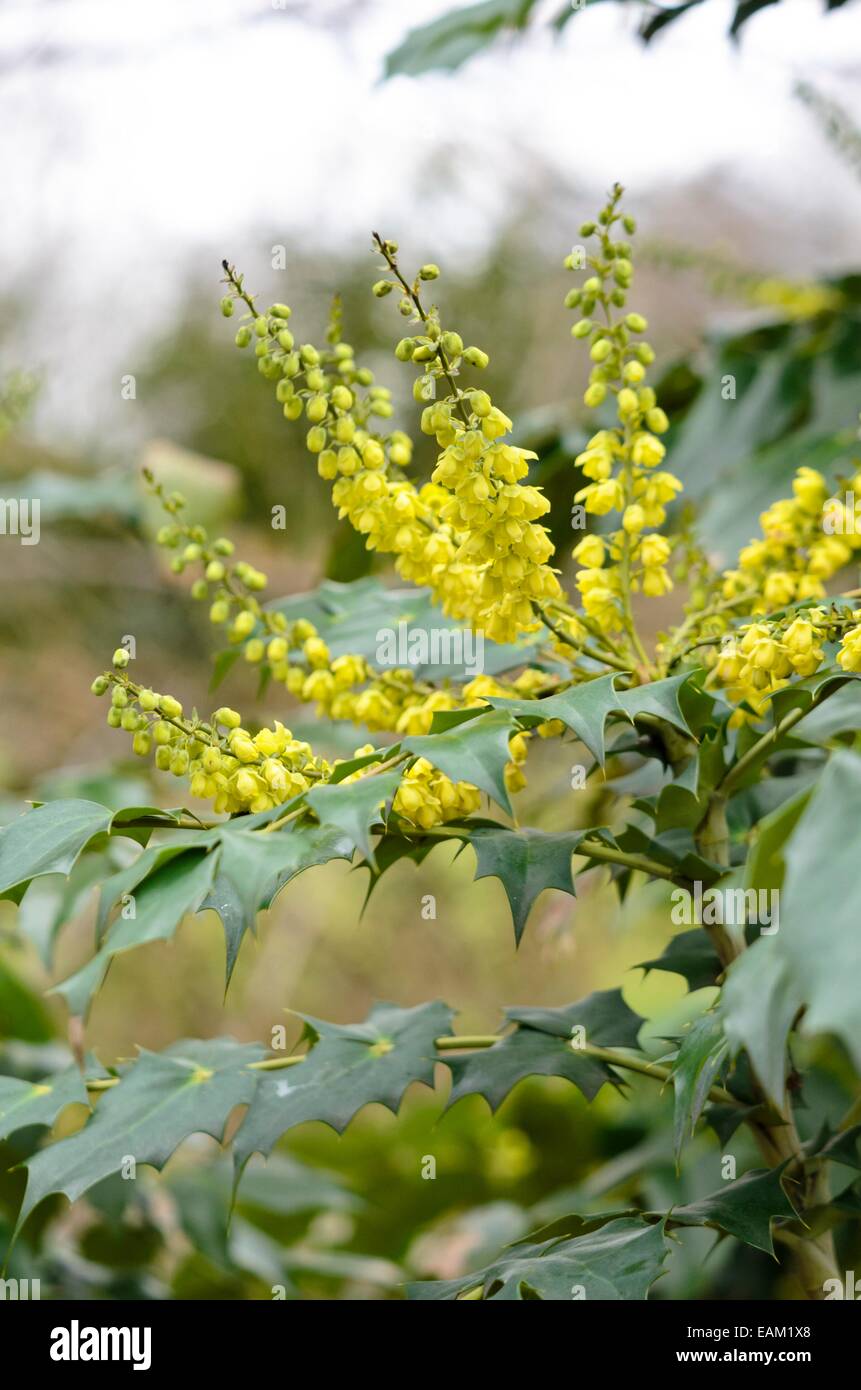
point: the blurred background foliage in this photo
(352, 1217)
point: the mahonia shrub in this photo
(742, 788)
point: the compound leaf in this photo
(548, 1042)
(161, 1099)
(348, 1066)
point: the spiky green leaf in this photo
(348, 1066)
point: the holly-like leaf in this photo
(759, 1002)
(475, 751)
(744, 1208)
(176, 888)
(841, 1147)
(660, 699)
(585, 709)
(619, 1262)
(24, 1103)
(814, 960)
(549, 1042)
(691, 955)
(225, 899)
(526, 862)
(47, 840)
(161, 1099)
(254, 866)
(121, 887)
(347, 1067)
(53, 900)
(702, 1052)
(354, 807)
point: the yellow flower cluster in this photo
(806, 539)
(344, 687)
(239, 771)
(761, 657)
(427, 797)
(493, 514)
(470, 535)
(621, 463)
(223, 762)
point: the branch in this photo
(465, 1042)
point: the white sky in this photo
(161, 134)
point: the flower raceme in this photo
(474, 536)
(470, 535)
(243, 772)
(345, 687)
(805, 540)
(622, 462)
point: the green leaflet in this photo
(161, 1099)
(231, 869)
(225, 899)
(355, 806)
(841, 1147)
(621, 1261)
(701, 1055)
(759, 1001)
(123, 884)
(53, 900)
(585, 709)
(543, 1044)
(815, 958)
(744, 1209)
(475, 751)
(48, 840)
(449, 41)
(766, 865)
(25, 1103)
(526, 862)
(259, 865)
(254, 868)
(691, 955)
(160, 902)
(23, 1015)
(347, 1067)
